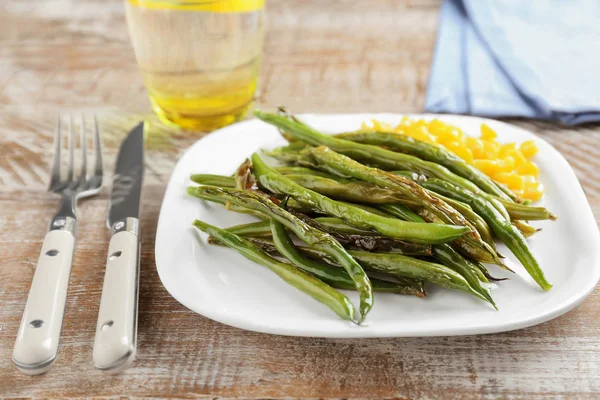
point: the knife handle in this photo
(116, 330)
(36, 346)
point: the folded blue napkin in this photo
(513, 58)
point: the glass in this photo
(200, 60)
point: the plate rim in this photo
(576, 191)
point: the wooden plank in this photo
(343, 56)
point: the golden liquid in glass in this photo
(200, 67)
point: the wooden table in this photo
(320, 56)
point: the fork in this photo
(37, 341)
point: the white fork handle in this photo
(36, 346)
(116, 330)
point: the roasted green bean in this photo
(347, 235)
(446, 255)
(528, 213)
(501, 227)
(425, 151)
(355, 216)
(335, 277)
(310, 235)
(375, 155)
(302, 281)
(526, 229)
(471, 244)
(397, 264)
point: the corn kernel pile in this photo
(509, 163)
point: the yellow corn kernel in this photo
(461, 151)
(517, 156)
(506, 164)
(436, 126)
(420, 133)
(490, 149)
(533, 191)
(528, 148)
(529, 178)
(447, 135)
(476, 146)
(377, 126)
(404, 122)
(458, 133)
(488, 167)
(506, 150)
(513, 181)
(488, 133)
(528, 168)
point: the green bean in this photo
(478, 271)
(396, 264)
(403, 285)
(471, 216)
(230, 182)
(375, 155)
(376, 243)
(497, 204)
(335, 277)
(259, 228)
(347, 235)
(485, 273)
(213, 180)
(470, 243)
(409, 189)
(302, 281)
(501, 227)
(307, 233)
(528, 213)
(357, 191)
(526, 229)
(243, 176)
(425, 151)
(495, 201)
(401, 211)
(446, 255)
(475, 267)
(292, 146)
(355, 216)
(339, 225)
(238, 209)
(262, 228)
(287, 170)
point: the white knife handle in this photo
(36, 346)
(116, 330)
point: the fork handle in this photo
(116, 330)
(36, 346)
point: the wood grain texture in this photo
(323, 56)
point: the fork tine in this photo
(55, 172)
(70, 167)
(83, 144)
(97, 150)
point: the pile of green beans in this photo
(371, 212)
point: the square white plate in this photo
(224, 286)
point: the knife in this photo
(116, 330)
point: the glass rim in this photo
(201, 5)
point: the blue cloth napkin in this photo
(514, 58)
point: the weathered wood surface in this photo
(321, 56)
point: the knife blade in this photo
(116, 329)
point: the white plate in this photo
(224, 286)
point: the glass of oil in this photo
(200, 60)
